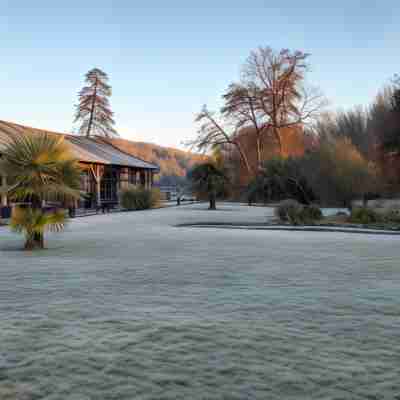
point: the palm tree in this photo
(208, 178)
(33, 223)
(39, 167)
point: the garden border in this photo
(305, 228)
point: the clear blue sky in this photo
(167, 58)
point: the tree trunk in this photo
(243, 158)
(278, 138)
(92, 110)
(36, 240)
(259, 161)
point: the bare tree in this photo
(213, 133)
(270, 96)
(281, 97)
(93, 111)
(241, 107)
(352, 124)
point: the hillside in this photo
(173, 162)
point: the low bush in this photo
(139, 198)
(364, 215)
(293, 212)
(155, 197)
(311, 213)
(289, 211)
(392, 216)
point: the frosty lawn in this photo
(127, 306)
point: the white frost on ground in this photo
(127, 306)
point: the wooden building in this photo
(106, 169)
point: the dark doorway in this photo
(109, 184)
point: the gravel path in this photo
(128, 306)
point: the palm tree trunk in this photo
(36, 240)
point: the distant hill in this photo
(173, 163)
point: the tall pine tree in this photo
(93, 111)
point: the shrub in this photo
(311, 213)
(293, 212)
(128, 196)
(364, 215)
(139, 198)
(392, 216)
(338, 173)
(289, 211)
(279, 179)
(155, 197)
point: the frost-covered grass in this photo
(127, 306)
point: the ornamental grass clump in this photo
(294, 213)
(392, 216)
(139, 198)
(155, 197)
(311, 213)
(289, 211)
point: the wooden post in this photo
(98, 190)
(3, 184)
(97, 177)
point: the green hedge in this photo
(364, 215)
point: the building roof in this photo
(90, 150)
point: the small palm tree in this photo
(33, 223)
(208, 178)
(39, 167)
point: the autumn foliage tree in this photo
(270, 97)
(338, 173)
(276, 80)
(93, 111)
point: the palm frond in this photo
(31, 221)
(40, 165)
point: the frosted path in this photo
(127, 306)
